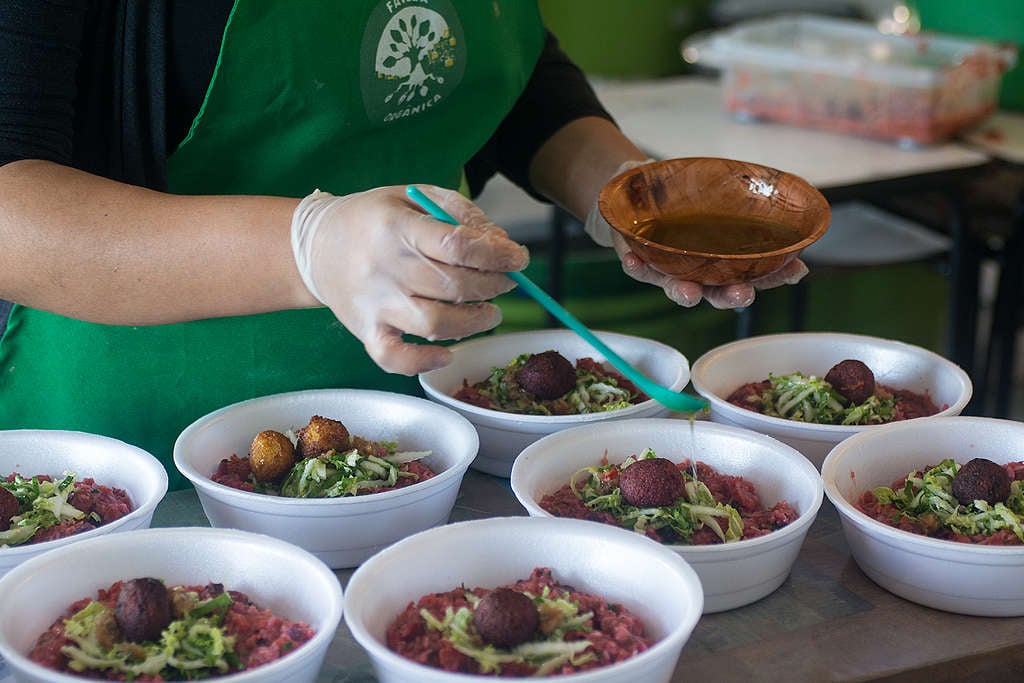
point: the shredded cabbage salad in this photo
(345, 473)
(807, 398)
(43, 504)
(559, 616)
(593, 393)
(597, 487)
(191, 647)
(928, 499)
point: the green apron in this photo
(298, 100)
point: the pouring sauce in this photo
(719, 233)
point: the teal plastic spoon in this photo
(673, 400)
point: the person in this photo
(202, 203)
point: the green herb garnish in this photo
(807, 398)
(192, 647)
(42, 503)
(928, 499)
(547, 652)
(593, 393)
(695, 510)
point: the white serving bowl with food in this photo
(962, 577)
(733, 573)
(645, 579)
(275, 575)
(894, 364)
(504, 434)
(342, 531)
(110, 463)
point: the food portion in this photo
(978, 502)
(141, 629)
(688, 503)
(533, 627)
(847, 395)
(548, 383)
(321, 460)
(41, 508)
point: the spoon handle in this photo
(670, 399)
(569, 320)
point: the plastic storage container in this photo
(846, 76)
(996, 20)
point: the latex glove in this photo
(385, 268)
(683, 292)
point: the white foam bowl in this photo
(341, 531)
(503, 435)
(276, 575)
(732, 574)
(957, 577)
(647, 579)
(108, 461)
(722, 370)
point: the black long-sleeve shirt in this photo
(112, 86)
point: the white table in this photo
(683, 116)
(677, 117)
(1001, 136)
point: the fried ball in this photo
(981, 479)
(652, 482)
(183, 601)
(853, 380)
(322, 434)
(506, 618)
(9, 507)
(547, 375)
(106, 630)
(271, 455)
(143, 609)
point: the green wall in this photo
(624, 38)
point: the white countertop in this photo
(1002, 136)
(683, 116)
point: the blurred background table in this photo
(683, 116)
(828, 621)
(1002, 137)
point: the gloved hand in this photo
(683, 292)
(385, 268)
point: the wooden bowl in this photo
(714, 221)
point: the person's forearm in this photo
(97, 250)
(576, 162)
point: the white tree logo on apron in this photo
(412, 57)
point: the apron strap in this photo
(5, 314)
